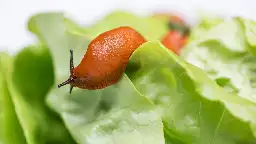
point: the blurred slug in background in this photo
(178, 34)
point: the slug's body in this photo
(105, 60)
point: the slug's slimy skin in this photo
(105, 60)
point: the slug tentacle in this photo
(71, 69)
(68, 81)
(71, 64)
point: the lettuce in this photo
(250, 32)
(206, 96)
(11, 131)
(194, 109)
(28, 79)
(226, 55)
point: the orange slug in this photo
(174, 41)
(105, 60)
(177, 36)
(178, 32)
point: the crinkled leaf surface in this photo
(206, 22)
(218, 63)
(10, 129)
(194, 108)
(229, 33)
(250, 32)
(116, 114)
(151, 28)
(29, 80)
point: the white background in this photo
(15, 13)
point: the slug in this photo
(178, 33)
(105, 59)
(174, 41)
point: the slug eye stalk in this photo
(71, 68)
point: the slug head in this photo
(179, 26)
(72, 77)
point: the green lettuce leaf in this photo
(10, 129)
(250, 32)
(194, 108)
(58, 33)
(206, 22)
(69, 36)
(116, 114)
(213, 57)
(29, 80)
(229, 33)
(1, 101)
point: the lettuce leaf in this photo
(161, 98)
(1, 102)
(116, 114)
(29, 79)
(206, 22)
(11, 131)
(183, 95)
(68, 37)
(220, 59)
(194, 108)
(250, 32)
(55, 31)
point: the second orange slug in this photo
(178, 33)
(105, 60)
